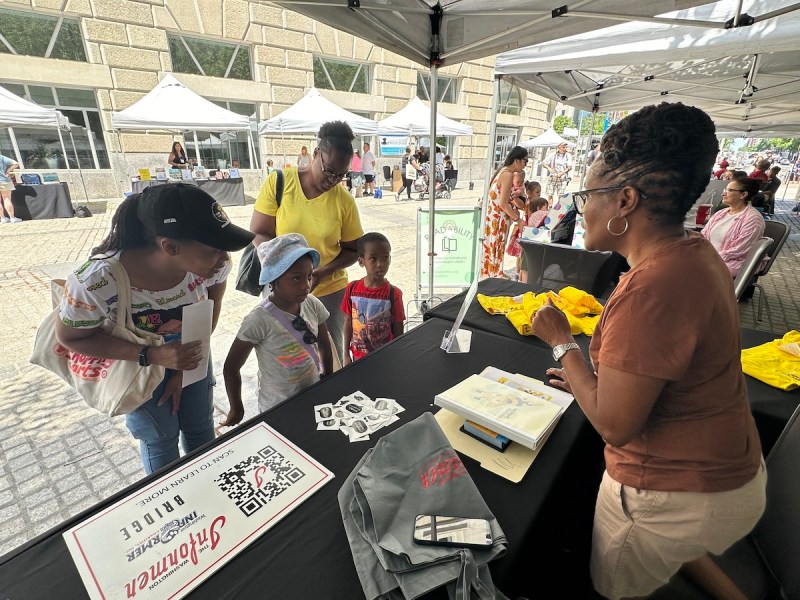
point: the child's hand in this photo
(235, 416)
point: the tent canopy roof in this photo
(743, 77)
(548, 139)
(470, 29)
(172, 106)
(309, 113)
(415, 119)
(16, 111)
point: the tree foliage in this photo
(777, 144)
(562, 121)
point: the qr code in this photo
(255, 481)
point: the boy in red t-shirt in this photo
(374, 305)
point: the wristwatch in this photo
(560, 350)
(143, 362)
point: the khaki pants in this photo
(641, 538)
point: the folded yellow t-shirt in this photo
(774, 365)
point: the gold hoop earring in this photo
(608, 226)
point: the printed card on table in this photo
(166, 539)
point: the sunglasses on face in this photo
(580, 198)
(300, 324)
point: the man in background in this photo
(558, 165)
(368, 168)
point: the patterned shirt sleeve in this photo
(398, 311)
(90, 293)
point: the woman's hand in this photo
(560, 380)
(173, 390)
(551, 326)
(177, 356)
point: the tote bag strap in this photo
(298, 335)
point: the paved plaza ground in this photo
(59, 457)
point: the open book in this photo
(515, 406)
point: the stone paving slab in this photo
(58, 456)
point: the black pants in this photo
(406, 186)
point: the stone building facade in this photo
(91, 57)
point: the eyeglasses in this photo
(581, 197)
(727, 191)
(327, 172)
(300, 324)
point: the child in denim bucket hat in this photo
(287, 329)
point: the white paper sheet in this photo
(197, 327)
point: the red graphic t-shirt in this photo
(372, 314)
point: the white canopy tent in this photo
(171, 106)
(436, 33)
(309, 113)
(415, 119)
(18, 112)
(548, 139)
(747, 77)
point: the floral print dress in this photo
(495, 234)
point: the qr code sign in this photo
(256, 480)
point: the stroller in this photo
(441, 186)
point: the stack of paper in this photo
(515, 406)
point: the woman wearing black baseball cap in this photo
(173, 241)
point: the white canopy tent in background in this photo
(171, 106)
(309, 113)
(548, 139)
(442, 33)
(415, 119)
(18, 112)
(745, 74)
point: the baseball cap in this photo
(185, 212)
(280, 253)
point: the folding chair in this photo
(751, 263)
(779, 232)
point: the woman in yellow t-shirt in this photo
(315, 204)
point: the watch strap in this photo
(560, 350)
(143, 362)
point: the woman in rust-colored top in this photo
(684, 474)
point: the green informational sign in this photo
(455, 244)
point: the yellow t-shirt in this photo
(324, 221)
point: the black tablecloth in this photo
(546, 518)
(45, 201)
(771, 407)
(228, 192)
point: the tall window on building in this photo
(510, 99)
(447, 87)
(222, 150)
(33, 34)
(41, 148)
(343, 76)
(206, 57)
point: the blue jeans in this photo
(158, 430)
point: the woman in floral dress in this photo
(501, 213)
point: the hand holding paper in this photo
(197, 327)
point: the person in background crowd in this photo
(501, 213)
(439, 157)
(173, 239)
(316, 206)
(303, 159)
(270, 167)
(665, 387)
(592, 155)
(7, 165)
(355, 176)
(558, 165)
(373, 308)
(770, 188)
(368, 166)
(287, 329)
(760, 171)
(404, 162)
(177, 157)
(733, 230)
(448, 163)
(728, 174)
(723, 166)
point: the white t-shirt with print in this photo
(284, 365)
(90, 297)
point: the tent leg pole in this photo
(489, 170)
(432, 180)
(283, 148)
(80, 171)
(588, 149)
(197, 149)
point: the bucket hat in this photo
(280, 253)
